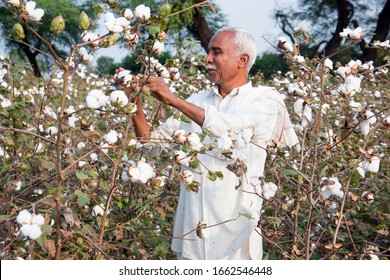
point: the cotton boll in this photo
(135, 173)
(267, 194)
(147, 171)
(158, 48)
(99, 210)
(128, 14)
(24, 217)
(142, 12)
(328, 63)
(94, 157)
(34, 14)
(34, 231)
(179, 136)
(285, 45)
(183, 158)
(194, 141)
(38, 220)
(298, 106)
(372, 165)
(186, 176)
(111, 137)
(52, 130)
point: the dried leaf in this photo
(238, 167)
(50, 247)
(201, 225)
(67, 218)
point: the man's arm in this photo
(141, 126)
(162, 92)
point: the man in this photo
(225, 212)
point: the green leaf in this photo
(3, 217)
(83, 199)
(163, 24)
(47, 229)
(219, 174)
(153, 30)
(81, 175)
(185, 148)
(185, 119)
(194, 163)
(48, 165)
(94, 174)
(97, 9)
(212, 176)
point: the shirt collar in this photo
(244, 88)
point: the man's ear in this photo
(243, 60)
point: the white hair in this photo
(245, 43)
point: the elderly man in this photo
(225, 212)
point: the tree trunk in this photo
(381, 32)
(32, 58)
(345, 12)
(200, 28)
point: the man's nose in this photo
(208, 58)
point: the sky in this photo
(255, 16)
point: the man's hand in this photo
(158, 88)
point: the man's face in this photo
(222, 61)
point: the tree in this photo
(70, 11)
(321, 16)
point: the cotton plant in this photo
(98, 210)
(267, 190)
(331, 187)
(30, 224)
(141, 172)
(34, 14)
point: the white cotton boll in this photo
(93, 156)
(37, 219)
(128, 14)
(372, 165)
(96, 99)
(135, 173)
(5, 103)
(34, 14)
(374, 257)
(24, 217)
(142, 12)
(361, 171)
(225, 141)
(267, 194)
(298, 106)
(85, 57)
(34, 231)
(272, 187)
(186, 176)
(119, 97)
(194, 141)
(103, 147)
(345, 33)
(111, 137)
(25, 229)
(179, 136)
(352, 83)
(286, 45)
(183, 158)
(18, 184)
(115, 24)
(99, 210)
(158, 48)
(147, 171)
(89, 36)
(328, 63)
(343, 71)
(299, 58)
(39, 148)
(80, 145)
(306, 115)
(52, 130)
(356, 34)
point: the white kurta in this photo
(230, 213)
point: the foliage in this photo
(71, 162)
